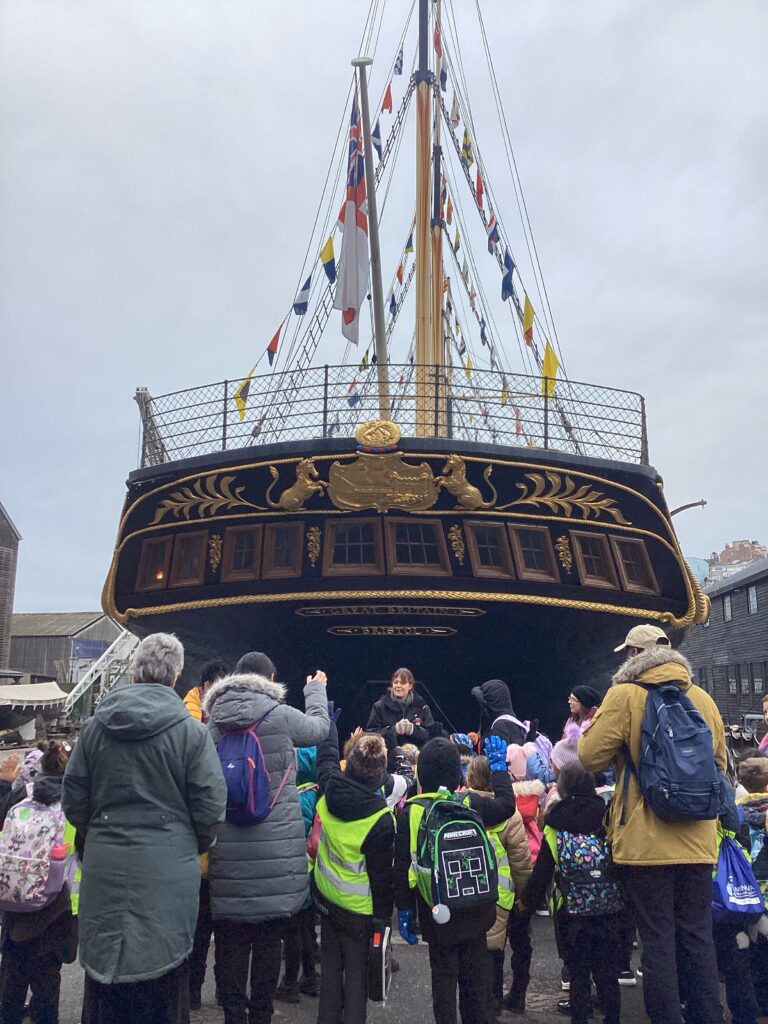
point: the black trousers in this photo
(672, 910)
(519, 933)
(344, 976)
(591, 950)
(734, 964)
(198, 958)
(26, 965)
(163, 1000)
(467, 966)
(299, 944)
(239, 945)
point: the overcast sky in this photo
(161, 168)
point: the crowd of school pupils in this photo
(162, 869)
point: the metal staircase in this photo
(111, 667)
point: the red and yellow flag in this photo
(528, 317)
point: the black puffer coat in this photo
(386, 712)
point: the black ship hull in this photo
(462, 561)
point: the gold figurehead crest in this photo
(378, 434)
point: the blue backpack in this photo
(677, 774)
(245, 773)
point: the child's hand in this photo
(10, 768)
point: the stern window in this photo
(153, 564)
(488, 549)
(417, 547)
(282, 550)
(534, 556)
(242, 553)
(593, 560)
(188, 566)
(757, 678)
(634, 565)
(353, 547)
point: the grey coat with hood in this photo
(145, 786)
(259, 872)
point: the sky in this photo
(163, 164)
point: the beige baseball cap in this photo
(644, 636)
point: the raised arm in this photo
(310, 727)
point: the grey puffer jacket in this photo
(145, 786)
(259, 872)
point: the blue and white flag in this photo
(483, 336)
(393, 305)
(462, 348)
(376, 138)
(493, 232)
(399, 62)
(506, 281)
(302, 299)
(333, 427)
(443, 79)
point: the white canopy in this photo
(31, 695)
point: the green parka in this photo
(145, 785)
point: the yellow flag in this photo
(468, 368)
(549, 371)
(241, 394)
(504, 392)
(528, 317)
(457, 241)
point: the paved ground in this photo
(410, 999)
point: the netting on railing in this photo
(330, 401)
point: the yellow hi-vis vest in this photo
(554, 897)
(341, 874)
(506, 898)
(74, 889)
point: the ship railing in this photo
(485, 406)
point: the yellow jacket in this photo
(644, 839)
(194, 702)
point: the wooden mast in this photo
(423, 349)
(437, 357)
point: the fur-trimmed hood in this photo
(237, 701)
(530, 788)
(655, 665)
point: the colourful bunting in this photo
(468, 368)
(393, 306)
(272, 346)
(465, 272)
(506, 281)
(455, 115)
(518, 421)
(376, 138)
(438, 41)
(528, 317)
(457, 240)
(400, 271)
(504, 390)
(399, 62)
(443, 79)
(328, 260)
(352, 286)
(493, 233)
(363, 362)
(549, 369)
(353, 395)
(473, 299)
(241, 394)
(301, 302)
(387, 101)
(467, 156)
(409, 243)
(449, 212)
(479, 189)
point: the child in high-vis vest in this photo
(352, 878)
(514, 864)
(36, 943)
(574, 852)
(457, 949)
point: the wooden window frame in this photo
(375, 569)
(269, 571)
(141, 585)
(230, 575)
(189, 581)
(757, 673)
(507, 570)
(533, 575)
(745, 677)
(585, 578)
(626, 583)
(404, 569)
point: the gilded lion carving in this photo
(307, 484)
(454, 480)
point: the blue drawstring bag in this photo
(736, 895)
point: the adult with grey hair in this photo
(144, 786)
(258, 873)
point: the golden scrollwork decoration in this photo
(313, 544)
(564, 553)
(307, 484)
(378, 434)
(204, 498)
(456, 537)
(562, 495)
(214, 551)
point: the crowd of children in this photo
(459, 839)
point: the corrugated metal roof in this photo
(751, 574)
(51, 623)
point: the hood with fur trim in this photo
(238, 700)
(656, 665)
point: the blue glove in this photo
(405, 922)
(496, 751)
(333, 714)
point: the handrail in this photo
(486, 406)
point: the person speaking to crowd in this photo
(401, 715)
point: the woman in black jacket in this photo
(401, 716)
